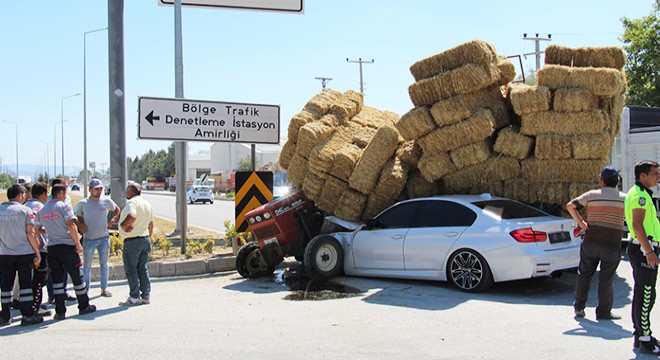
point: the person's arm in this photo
(127, 224)
(151, 229)
(34, 243)
(115, 216)
(638, 226)
(80, 223)
(73, 230)
(572, 209)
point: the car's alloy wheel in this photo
(469, 271)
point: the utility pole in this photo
(537, 47)
(116, 102)
(324, 80)
(360, 61)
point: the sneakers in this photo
(31, 320)
(649, 347)
(131, 302)
(579, 313)
(59, 317)
(43, 312)
(4, 322)
(609, 316)
(106, 293)
(88, 310)
(145, 301)
(68, 297)
(653, 340)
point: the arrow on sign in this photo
(150, 118)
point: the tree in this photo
(245, 164)
(641, 40)
(5, 181)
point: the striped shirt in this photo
(605, 212)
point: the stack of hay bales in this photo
(471, 131)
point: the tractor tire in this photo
(324, 257)
(247, 263)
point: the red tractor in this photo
(283, 228)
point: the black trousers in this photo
(591, 255)
(62, 260)
(643, 291)
(9, 265)
(39, 277)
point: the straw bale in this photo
(470, 154)
(507, 71)
(415, 123)
(613, 106)
(331, 120)
(457, 108)
(323, 155)
(553, 147)
(362, 136)
(311, 135)
(495, 188)
(332, 189)
(345, 160)
(313, 185)
(391, 182)
(574, 100)
(608, 57)
(297, 170)
(550, 122)
(463, 80)
(297, 121)
(435, 166)
(409, 152)
(375, 118)
(517, 189)
(350, 205)
(527, 99)
(496, 168)
(568, 170)
(355, 97)
(577, 189)
(600, 81)
(418, 186)
(320, 104)
(375, 155)
(474, 129)
(288, 150)
(548, 193)
(472, 52)
(597, 146)
(511, 142)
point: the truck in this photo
(170, 183)
(23, 179)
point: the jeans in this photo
(103, 246)
(136, 256)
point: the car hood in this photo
(349, 225)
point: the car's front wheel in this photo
(324, 257)
(468, 271)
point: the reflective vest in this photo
(639, 198)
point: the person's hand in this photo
(79, 248)
(584, 226)
(83, 227)
(652, 259)
(37, 260)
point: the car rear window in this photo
(203, 188)
(509, 209)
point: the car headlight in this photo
(267, 216)
(258, 218)
(251, 221)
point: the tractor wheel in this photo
(248, 264)
(324, 257)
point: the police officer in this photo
(643, 251)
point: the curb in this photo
(169, 269)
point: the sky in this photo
(254, 57)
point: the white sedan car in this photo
(199, 193)
(471, 241)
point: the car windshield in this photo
(509, 209)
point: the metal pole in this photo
(116, 101)
(360, 61)
(85, 177)
(55, 149)
(253, 153)
(537, 47)
(180, 147)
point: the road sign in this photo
(258, 5)
(200, 120)
(253, 189)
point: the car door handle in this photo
(397, 237)
(451, 234)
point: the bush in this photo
(116, 244)
(165, 245)
(208, 246)
(193, 247)
(231, 194)
(230, 233)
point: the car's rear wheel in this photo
(190, 201)
(324, 257)
(468, 271)
(248, 264)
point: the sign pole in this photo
(180, 147)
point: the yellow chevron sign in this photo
(253, 189)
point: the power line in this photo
(324, 80)
(360, 61)
(537, 47)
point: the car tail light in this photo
(194, 191)
(528, 235)
(577, 231)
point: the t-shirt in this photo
(140, 208)
(95, 214)
(36, 205)
(14, 218)
(605, 215)
(53, 217)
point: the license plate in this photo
(560, 237)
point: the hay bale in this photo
(418, 186)
(322, 156)
(470, 154)
(472, 130)
(613, 106)
(527, 99)
(350, 205)
(460, 107)
(463, 80)
(375, 118)
(332, 188)
(415, 123)
(548, 193)
(312, 134)
(517, 189)
(574, 100)
(569, 170)
(297, 121)
(472, 52)
(347, 106)
(391, 182)
(577, 189)
(375, 155)
(550, 122)
(320, 104)
(345, 161)
(600, 81)
(297, 170)
(409, 152)
(597, 146)
(495, 188)
(362, 136)
(434, 167)
(313, 185)
(507, 71)
(497, 168)
(608, 57)
(553, 147)
(512, 143)
(288, 150)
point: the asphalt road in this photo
(223, 316)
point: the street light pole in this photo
(85, 177)
(15, 124)
(62, 118)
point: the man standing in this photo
(49, 284)
(64, 247)
(602, 242)
(36, 203)
(19, 252)
(643, 251)
(136, 228)
(92, 214)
